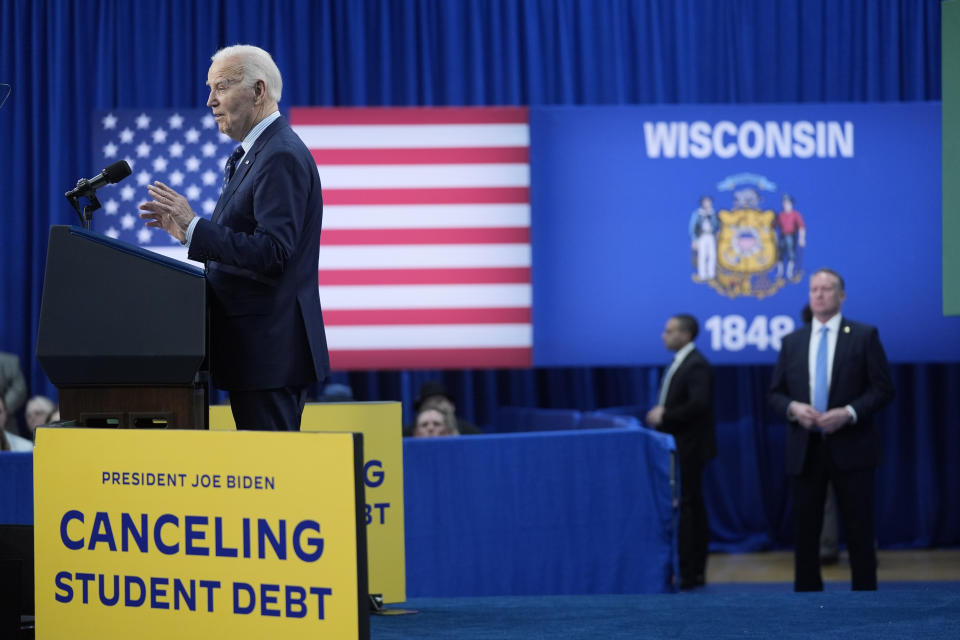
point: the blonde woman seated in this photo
(432, 423)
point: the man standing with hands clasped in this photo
(685, 410)
(831, 378)
(260, 247)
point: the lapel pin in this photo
(846, 329)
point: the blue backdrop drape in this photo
(66, 58)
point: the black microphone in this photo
(112, 174)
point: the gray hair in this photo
(42, 402)
(255, 64)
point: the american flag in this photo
(181, 148)
(425, 252)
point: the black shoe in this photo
(692, 583)
(827, 559)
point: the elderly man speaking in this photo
(260, 247)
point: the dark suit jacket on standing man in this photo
(860, 378)
(261, 248)
(688, 416)
(688, 409)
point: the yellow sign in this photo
(380, 424)
(197, 534)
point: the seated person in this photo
(13, 388)
(38, 412)
(435, 395)
(433, 423)
(11, 441)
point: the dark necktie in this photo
(231, 166)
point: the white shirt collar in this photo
(678, 358)
(258, 128)
(833, 324)
(683, 352)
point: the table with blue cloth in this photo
(569, 512)
(16, 487)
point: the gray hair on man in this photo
(255, 64)
(42, 403)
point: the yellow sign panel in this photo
(197, 534)
(380, 424)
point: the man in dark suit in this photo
(260, 248)
(830, 380)
(685, 410)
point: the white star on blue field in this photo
(179, 147)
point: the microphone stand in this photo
(86, 217)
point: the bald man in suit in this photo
(831, 379)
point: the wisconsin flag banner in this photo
(425, 257)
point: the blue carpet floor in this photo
(897, 610)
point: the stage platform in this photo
(749, 596)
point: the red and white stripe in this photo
(425, 252)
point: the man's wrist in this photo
(188, 234)
(791, 414)
(853, 414)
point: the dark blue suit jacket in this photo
(860, 378)
(261, 249)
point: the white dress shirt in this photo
(678, 359)
(18, 443)
(833, 332)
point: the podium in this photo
(123, 333)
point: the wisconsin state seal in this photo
(747, 250)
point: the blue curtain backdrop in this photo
(66, 58)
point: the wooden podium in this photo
(123, 333)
